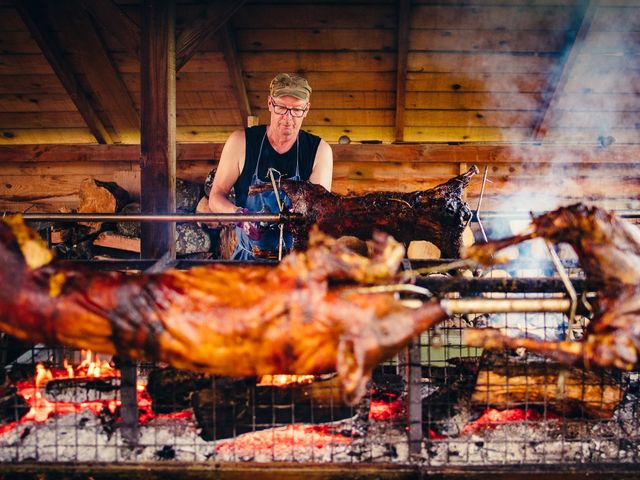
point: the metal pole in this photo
(203, 217)
(506, 305)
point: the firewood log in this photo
(187, 195)
(506, 383)
(231, 406)
(101, 197)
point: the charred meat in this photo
(304, 316)
(608, 248)
(438, 215)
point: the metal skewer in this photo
(200, 217)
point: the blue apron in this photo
(265, 202)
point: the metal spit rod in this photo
(200, 217)
(475, 305)
(506, 305)
(626, 213)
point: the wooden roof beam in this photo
(404, 25)
(119, 24)
(549, 111)
(38, 25)
(218, 12)
(158, 140)
(93, 60)
(227, 40)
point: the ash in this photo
(86, 437)
(548, 441)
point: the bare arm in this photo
(322, 172)
(229, 169)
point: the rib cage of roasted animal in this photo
(304, 316)
(438, 215)
(608, 249)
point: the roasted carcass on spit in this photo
(438, 215)
(304, 316)
(608, 249)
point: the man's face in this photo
(287, 114)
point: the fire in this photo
(283, 380)
(492, 417)
(91, 366)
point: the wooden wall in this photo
(477, 71)
(47, 178)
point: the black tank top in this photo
(285, 163)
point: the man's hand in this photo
(252, 229)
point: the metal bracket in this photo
(564, 276)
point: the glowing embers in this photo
(91, 385)
(491, 418)
(283, 380)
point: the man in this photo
(249, 154)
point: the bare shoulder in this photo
(322, 172)
(233, 152)
(236, 137)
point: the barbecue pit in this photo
(437, 407)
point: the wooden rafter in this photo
(549, 111)
(91, 57)
(230, 51)
(158, 125)
(37, 22)
(194, 35)
(404, 12)
(412, 153)
(113, 19)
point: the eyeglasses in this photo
(295, 112)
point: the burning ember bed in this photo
(474, 410)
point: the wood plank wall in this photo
(47, 178)
(478, 71)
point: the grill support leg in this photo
(413, 374)
(129, 396)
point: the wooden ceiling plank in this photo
(229, 48)
(40, 29)
(404, 13)
(218, 12)
(112, 18)
(94, 61)
(548, 111)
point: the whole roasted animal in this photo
(608, 248)
(438, 215)
(304, 316)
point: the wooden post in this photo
(158, 125)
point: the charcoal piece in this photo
(13, 406)
(82, 389)
(235, 406)
(188, 195)
(170, 389)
